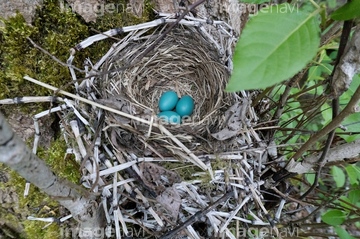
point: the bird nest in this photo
(158, 176)
(184, 62)
(190, 60)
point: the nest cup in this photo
(183, 61)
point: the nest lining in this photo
(183, 62)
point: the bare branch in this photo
(336, 154)
(15, 154)
(348, 66)
(335, 105)
(52, 56)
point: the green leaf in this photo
(352, 122)
(342, 233)
(354, 196)
(331, 3)
(357, 224)
(338, 175)
(353, 173)
(310, 177)
(345, 203)
(334, 217)
(275, 45)
(349, 11)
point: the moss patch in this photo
(56, 31)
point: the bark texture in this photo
(348, 66)
(337, 154)
(15, 154)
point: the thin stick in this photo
(348, 110)
(195, 160)
(289, 198)
(52, 56)
(335, 106)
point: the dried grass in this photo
(184, 62)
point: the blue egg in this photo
(185, 106)
(168, 101)
(170, 117)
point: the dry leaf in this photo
(234, 117)
(157, 177)
(171, 201)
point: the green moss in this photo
(64, 168)
(35, 230)
(56, 31)
(34, 201)
(55, 157)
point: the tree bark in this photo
(81, 204)
(337, 154)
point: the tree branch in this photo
(335, 105)
(348, 66)
(15, 154)
(336, 154)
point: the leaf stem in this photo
(314, 3)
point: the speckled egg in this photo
(168, 101)
(185, 106)
(170, 117)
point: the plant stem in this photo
(350, 108)
(335, 106)
(314, 3)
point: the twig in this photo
(163, 35)
(333, 31)
(289, 198)
(335, 106)
(343, 42)
(193, 158)
(52, 56)
(348, 66)
(336, 154)
(350, 108)
(197, 216)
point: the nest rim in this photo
(198, 73)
